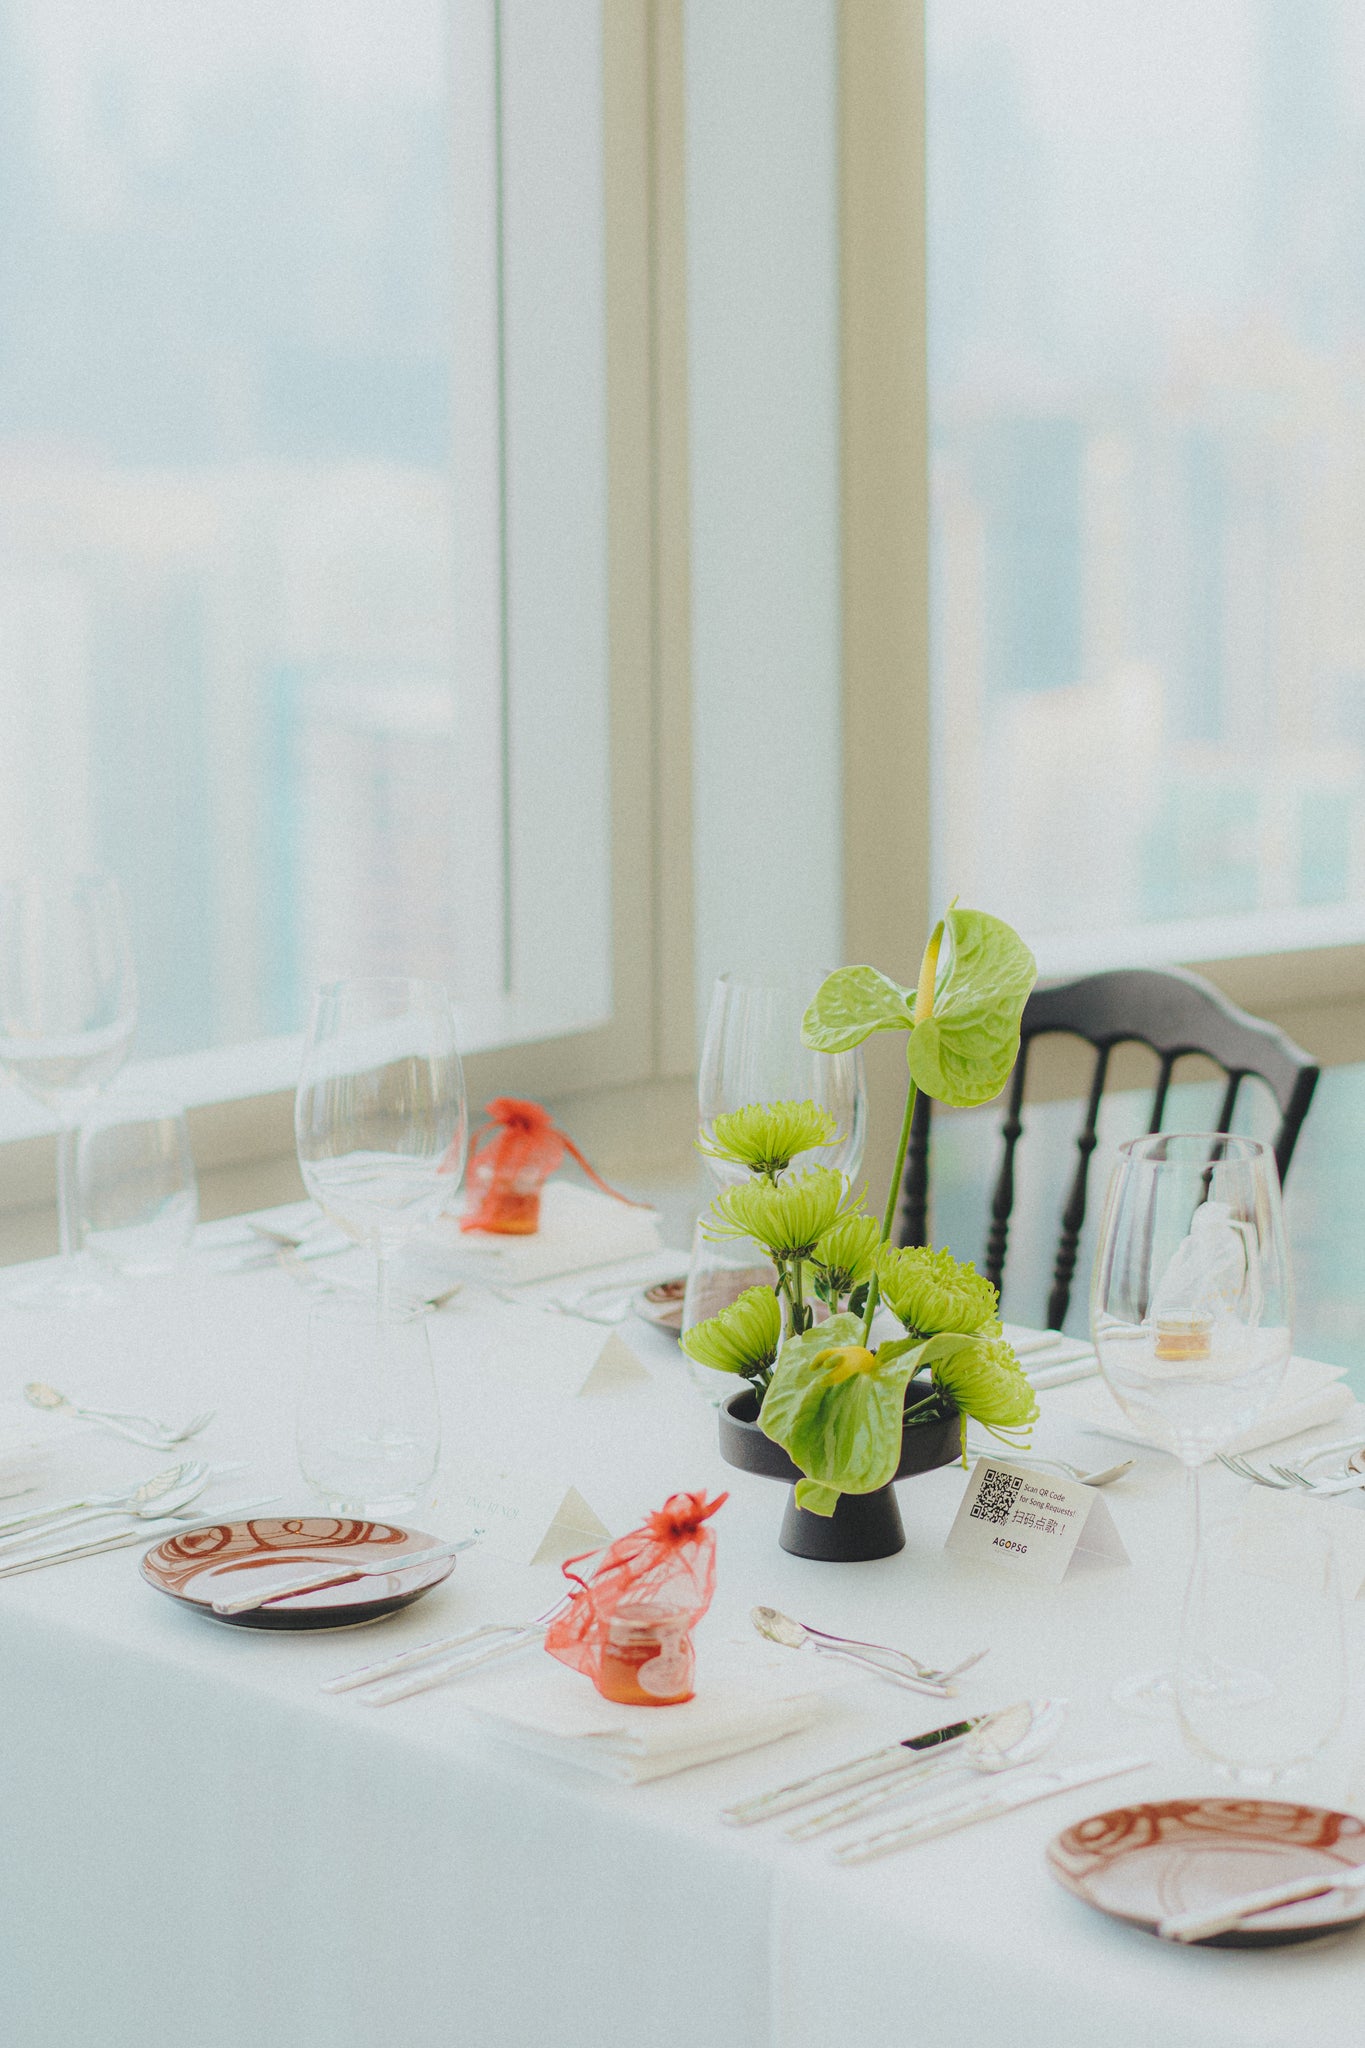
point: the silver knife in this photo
(962, 1813)
(878, 1763)
(338, 1573)
(1218, 1920)
(143, 1532)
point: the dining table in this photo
(201, 1845)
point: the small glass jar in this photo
(647, 1659)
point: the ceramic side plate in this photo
(1143, 1863)
(197, 1566)
(662, 1304)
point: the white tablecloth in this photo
(199, 1846)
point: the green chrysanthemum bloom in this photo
(987, 1382)
(843, 1258)
(767, 1136)
(788, 1218)
(742, 1338)
(933, 1291)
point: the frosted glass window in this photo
(228, 649)
(1147, 314)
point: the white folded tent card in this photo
(581, 1359)
(522, 1517)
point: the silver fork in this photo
(557, 1305)
(1320, 1489)
(1245, 1470)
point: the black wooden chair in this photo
(1173, 1012)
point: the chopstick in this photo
(123, 1539)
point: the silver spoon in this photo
(897, 1665)
(133, 1499)
(138, 1429)
(1028, 1462)
(150, 1508)
(1016, 1735)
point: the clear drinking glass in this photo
(68, 1009)
(752, 1052)
(1191, 1304)
(139, 1200)
(369, 1422)
(379, 1116)
(1261, 1674)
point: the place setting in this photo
(848, 1366)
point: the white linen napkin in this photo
(548, 1708)
(1312, 1394)
(579, 1229)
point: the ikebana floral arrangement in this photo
(837, 1406)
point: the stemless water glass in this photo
(1261, 1675)
(1191, 1304)
(139, 1200)
(752, 1052)
(68, 1008)
(379, 1117)
(369, 1423)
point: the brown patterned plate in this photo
(662, 1304)
(193, 1568)
(1142, 1863)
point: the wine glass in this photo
(752, 1052)
(1260, 1681)
(1191, 1303)
(379, 1116)
(68, 1008)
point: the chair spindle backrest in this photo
(1171, 1011)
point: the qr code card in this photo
(1031, 1522)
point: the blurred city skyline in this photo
(227, 649)
(1147, 312)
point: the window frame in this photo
(1316, 992)
(630, 1080)
(638, 1060)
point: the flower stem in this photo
(892, 1193)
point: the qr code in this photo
(999, 1492)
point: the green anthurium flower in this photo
(931, 1291)
(843, 1258)
(963, 1028)
(962, 1051)
(767, 1136)
(850, 1005)
(742, 1338)
(836, 1409)
(985, 1379)
(788, 1217)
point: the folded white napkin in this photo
(546, 1707)
(1312, 1394)
(579, 1229)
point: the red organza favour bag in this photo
(505, 1179)
(629, 1626)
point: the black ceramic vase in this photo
(863, 1525)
